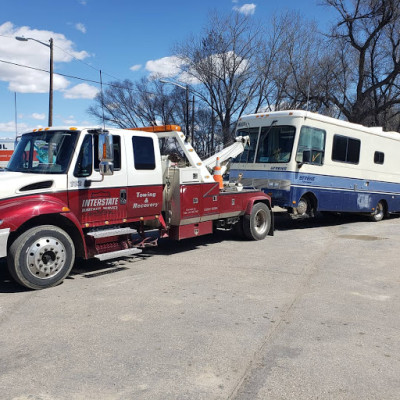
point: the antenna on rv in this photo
(102, 100)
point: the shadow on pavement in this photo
(283, 221)
(7, 284)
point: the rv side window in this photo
(311, 148)
(346, 149)
(379, 157)
(275, 144)
(143, 152)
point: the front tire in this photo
(257, 225)
(41, 257)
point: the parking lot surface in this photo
(310, 313)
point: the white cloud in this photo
(246, 9)
(9, 127)
(81, 91)
(187, 78)
(80, 27)
(38, 116)
(170, 67)
(164, 67)
(70, 120)
(86, 123)
(224, 62)
(135, 67)
(33, 54)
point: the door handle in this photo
(122, 196)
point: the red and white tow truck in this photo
(90, 192)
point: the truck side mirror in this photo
(106, 154)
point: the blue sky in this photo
(125, 39)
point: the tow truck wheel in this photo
(257, 225)
(41, 257)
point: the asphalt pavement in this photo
(310, 313)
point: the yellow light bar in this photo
(161, 128)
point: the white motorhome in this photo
(308, 162)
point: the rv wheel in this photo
(379, 212)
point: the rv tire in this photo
(379, 212)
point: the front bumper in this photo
(4, 233)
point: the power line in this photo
(65, 75)
(76, 58)
(87, 64)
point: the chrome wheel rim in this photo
(261, 221)
(46, 257)
(379, 211)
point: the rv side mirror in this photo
(106, 154)
(306, 156)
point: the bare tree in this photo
(127, 104)
(364, 85)
(223, 61)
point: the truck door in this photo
(96, 201)
(145, 186)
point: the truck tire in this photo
(257, 225)
(41, 257)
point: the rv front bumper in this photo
(4, 233)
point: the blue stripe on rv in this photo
(333, 193)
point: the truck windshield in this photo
(47, 152)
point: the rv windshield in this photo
(250, 149)
(275, 144)
(44, 152)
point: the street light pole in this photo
(50, 46)
(51, 85)
(187, 111)
(193, 121)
